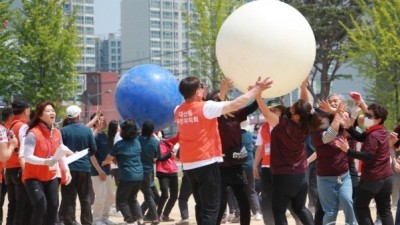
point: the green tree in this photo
(47, 46)
(374, 48)
(203, 23)
(8, 76)
(326, 19)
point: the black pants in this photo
(235, 178)
(126, 200)
(3, 193)
(205, 182)
(380, 191)
(148, 195)
(290, 189)
(19, 207)
(145, 205)
(169, 194)
(44, 198)
(80, 186)
(184, 194)
(266, 196)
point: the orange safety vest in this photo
(198, 136)
(15, 125)
(47, 143)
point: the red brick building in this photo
(100, 91)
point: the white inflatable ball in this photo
(266, 38)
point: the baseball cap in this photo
(73, 111)
(19, 104)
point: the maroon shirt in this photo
(377, 144)
(230, 131)
(331, 161)
(288, 152)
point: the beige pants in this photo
(104, 198)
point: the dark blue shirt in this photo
(150, 150)
(77, 137)
(127, 154)
(103, 149)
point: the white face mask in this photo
(368, 122)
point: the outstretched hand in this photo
(264, 84)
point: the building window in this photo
(155, 44)
(89, 9)
(155, 53)
(155, 34)
(168, 44)
(167, 25)
(155, 14)
(167, 34)
(89, 30)
(155, 24)
(89, 20)
(167, 15)
(167, 5)
(155, 3)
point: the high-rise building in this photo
(108, 53)
(84, 14)
(153, 31)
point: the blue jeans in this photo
(334, 191)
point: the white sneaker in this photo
(258, 216)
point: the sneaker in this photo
(235, 219)
(183, 222)
(134, 223)
(108, 222)
(166, 219)
(258, 216)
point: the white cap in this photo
(245, 125)
(73, 111)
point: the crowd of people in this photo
(298, 152)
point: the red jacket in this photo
(168, 166)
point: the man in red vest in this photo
(200, 143)
(19, 208)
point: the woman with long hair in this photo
(42, 171)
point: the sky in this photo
(107, 16)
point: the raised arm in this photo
(241, 101)
(303, 90)
(270, 117)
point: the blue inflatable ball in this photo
(148, 92)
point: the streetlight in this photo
(88, 97)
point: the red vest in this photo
(47, 143)
(15, 124)
(266, 140)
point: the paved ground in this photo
(117, 218)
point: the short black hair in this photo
(147, 128)
(380, 112)
(6, 114)
(188, 86)
(19, 105)
(129, 130)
